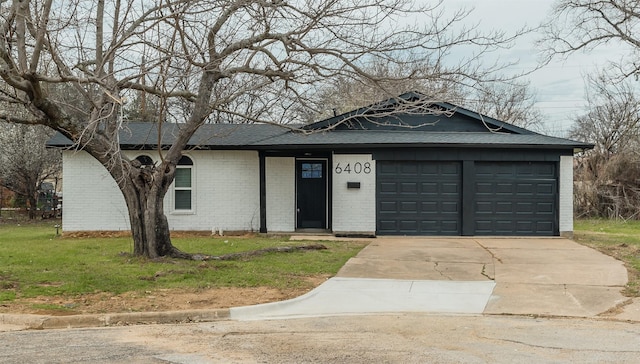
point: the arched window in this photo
(145, 161)
(183, 184)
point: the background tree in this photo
(384, 80)
(512, 102)
(25, 162)
(582, 25)
(505, 99)
(608, 175)
(204, 61)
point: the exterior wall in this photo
(354, 209)
(566, 196)
(91, 198)
(281, 194)
(225, 193)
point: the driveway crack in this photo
(488, 251)
(484, 272)
(436, 268)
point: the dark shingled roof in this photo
(462, 129)
(253, 136)
(138, 134)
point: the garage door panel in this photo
(527, 208)
(451, 227)
(547, 170)
(484, 207)
(388, 187)
(450, 188)
(504, 207)
(544, 225)
(429, 206)
(515, 198)
(429, 169)
(483, 188)
(429, 188)
(544, 208)
(388, 225)
(429, 227)
(408, 206)
(408, 225)
(408, 188)
(428, 197)
(407, 169)
(388, 207)
(545, 189)
(386, 169)
(525, 189)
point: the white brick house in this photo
(447, 175)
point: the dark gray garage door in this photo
(515, 198)
(502, 198)
(418, 198)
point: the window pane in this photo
(145, 160)
(183, 177)
(183, 200)
(311, 170)
(185, 161)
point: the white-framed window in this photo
(183, 185)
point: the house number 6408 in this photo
(356, 168)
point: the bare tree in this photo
(512, 102)
(608, 174)
(25, 162)
(205, 61)
(345, 94)
(582, 25)
(612, 122)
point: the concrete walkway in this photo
(523, 276)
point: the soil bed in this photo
(153, 301)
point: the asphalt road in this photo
(405, 338)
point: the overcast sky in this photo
(560, 86)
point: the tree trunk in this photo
(32, 206)
(144, 194)
(32, 199)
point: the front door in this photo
(311, 196)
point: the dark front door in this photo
(311, 196)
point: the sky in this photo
(559, 87)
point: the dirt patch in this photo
(156, 301)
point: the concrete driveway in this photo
(466, 275)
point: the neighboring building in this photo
(399, 174)
(6, 197)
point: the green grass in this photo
(34, 262)
(620, 239)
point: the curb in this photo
(41, 322)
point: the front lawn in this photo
(620, 239)
(35, 263)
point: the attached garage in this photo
(497, 198)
